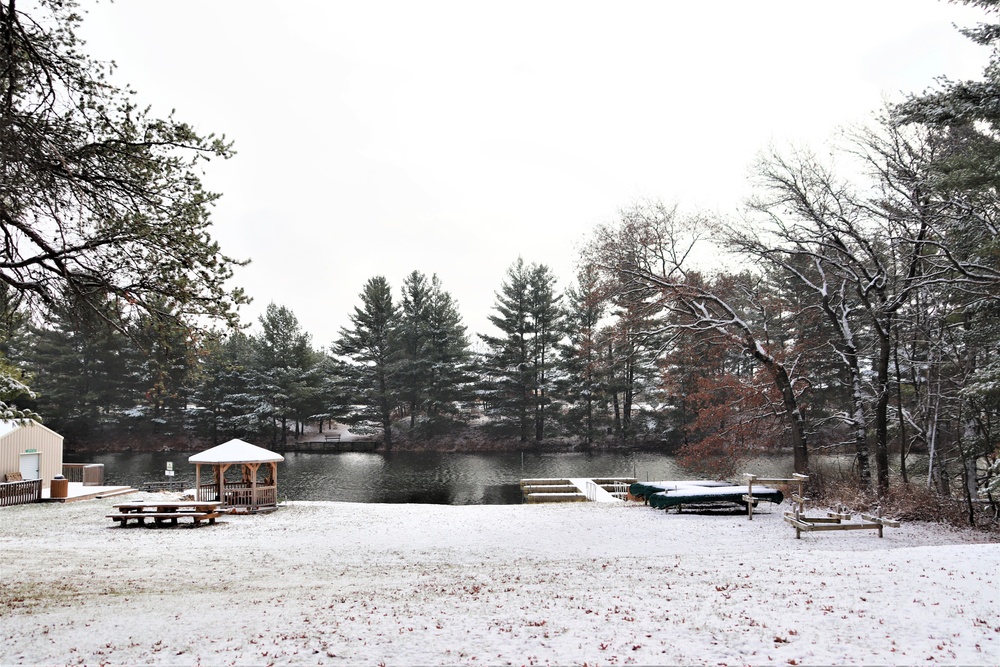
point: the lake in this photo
(419, 477)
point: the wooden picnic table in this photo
(164, 511)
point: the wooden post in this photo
(253, 483)
(197, 483)
(274, 480)
(797, 497)
(222, 467)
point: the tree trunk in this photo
(629, 395)
(858, 421)
(386, 426)
(796, 423)
(540, 415)
(590, 420)
(882, 413)
(800, 450)
(618, 416)
(899, 412)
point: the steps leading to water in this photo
(575, 489)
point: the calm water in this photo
(404, 477)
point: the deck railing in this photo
(90, 474)
(240, 494)
(20, 493)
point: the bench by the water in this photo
(163, 486)
(161, 512)
(331, 443)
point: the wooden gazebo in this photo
(257, 487)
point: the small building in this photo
(29, 450)
(257, 486)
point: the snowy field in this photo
(343, 583)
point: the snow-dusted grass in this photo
(344, 583)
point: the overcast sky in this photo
(376, 138)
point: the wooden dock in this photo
(331, 446)
(576, 489)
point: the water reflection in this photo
(425, 477)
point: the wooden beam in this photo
(892, 523)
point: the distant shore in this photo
(346, 583)
(469, 441)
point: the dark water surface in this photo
(425, 477)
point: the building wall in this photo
(32, 436)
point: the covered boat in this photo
(662, 495)
(700, 495)
(646, 489)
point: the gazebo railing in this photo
(208, 492)
(240, 494)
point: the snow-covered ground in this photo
(344, 583)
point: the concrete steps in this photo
(551, 491)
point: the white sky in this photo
(375, 138)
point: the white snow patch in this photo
(345, 583)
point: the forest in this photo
(851, 306)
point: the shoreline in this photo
(348, 583)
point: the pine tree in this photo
(369, 344)
(415, 362)
(519, 362)
(507, 370)
(583, 384)
(284, 365)
(166, 359)
(545, 319)
(221, 396)
(87, 374)
(449, 348)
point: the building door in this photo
(30, 466)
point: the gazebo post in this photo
(221, 468)
(197, 481)
(253, 483)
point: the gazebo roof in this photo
(236, 451)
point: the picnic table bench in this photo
(160, 512)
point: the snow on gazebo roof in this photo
(236, 451)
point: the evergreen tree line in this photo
(404, 365)
(856, 315)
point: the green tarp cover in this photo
(699, 495)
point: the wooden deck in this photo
(77, 491)
(575, 489)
